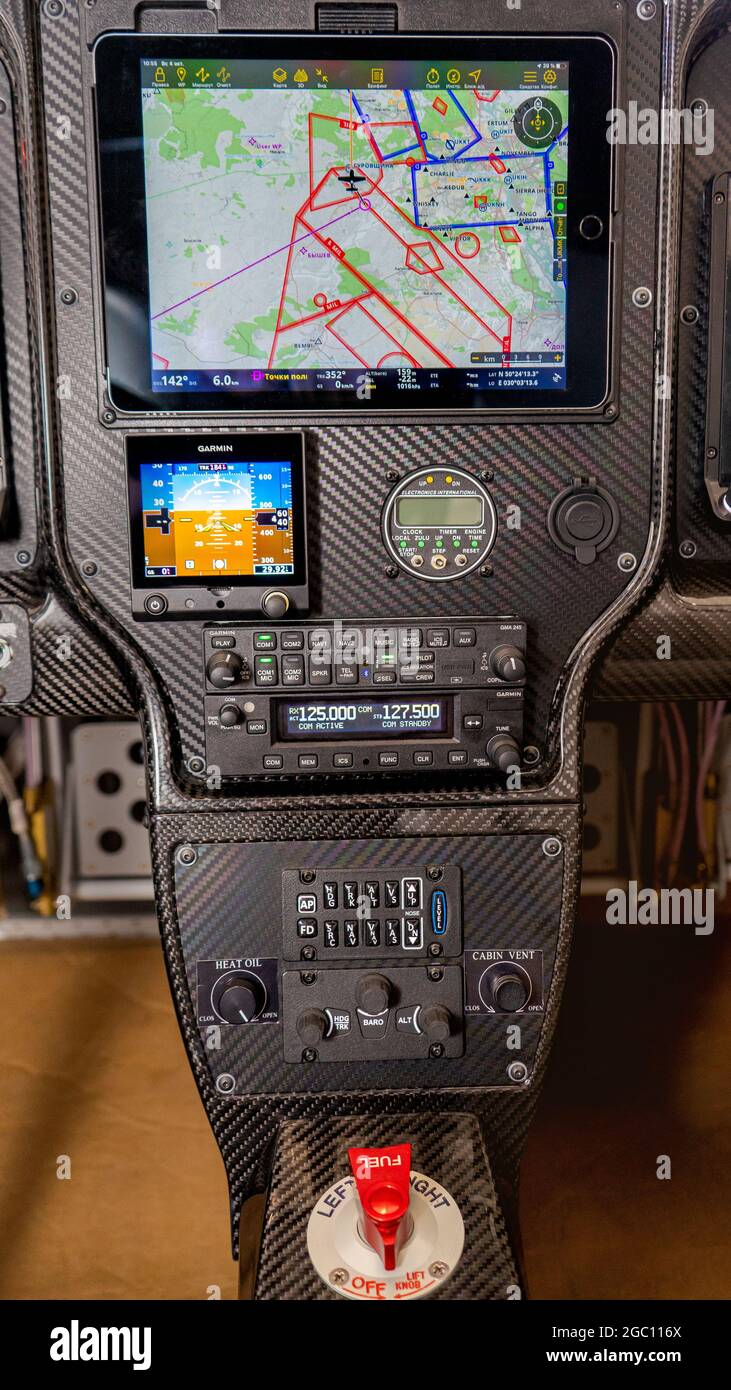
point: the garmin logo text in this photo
(76, 1343)
(215, 448)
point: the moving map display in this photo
(356, 226)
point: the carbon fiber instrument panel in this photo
(349, 463)
(448, 1149)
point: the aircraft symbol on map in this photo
(351, 179)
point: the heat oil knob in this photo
(503, 752)
(225, 669)
(239, 998)
(312, 1026)
(436, 1022)
(505, 987)
(374, 994)
(508, 663)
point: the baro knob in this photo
(374, 994)
(225, 669)
(239, 998)
(503, 752)
(312, 1025)
(275, 603)
(508, 663)
(505, 987)
(436, 1022)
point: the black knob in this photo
(239, 998)
(508, 663)
(505, 987)
(373, 994)
(436, 1022)
(503, 752)
(275, 604)
(312, 1025)
(227, 668)
(229, 715)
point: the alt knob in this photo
(239, 997)
(275, 604)
(508, 663)
(373, 994)
(503, 752)
(436, 1022)
(225, 669)
(505, 987)
(312, 1025)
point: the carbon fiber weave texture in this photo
(448, 1150)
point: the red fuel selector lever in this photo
(382, 1178)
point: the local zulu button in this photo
(350, 933)
(330, 934)
(330, 896)
(307, 926)
(393, 931)
(412, 938)
(372, 933)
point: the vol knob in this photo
(505, 987)
(508, 663)
(503, 752)
(312, 1025)
(239, 998)
(373, 994)
(230, 716)
(436, 1022)
(227, 668)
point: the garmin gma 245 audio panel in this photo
(302, 224)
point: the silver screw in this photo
(339, 1276)
(627, 562)
(196, 765)
(551, 847)
(531, 754)
(225, 1083)
(187, 855)
(689, 314)
(438, 1269)
(688, 549)
(517, 1071)
(647, 9)
(642, 297)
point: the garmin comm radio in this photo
(305, 223)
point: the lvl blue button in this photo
(439, 912)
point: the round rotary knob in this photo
(505, 987)
(436, 1022)
(503, 752)
(312, 1025)
(227, 668)
(374, 994)
(239, 998)
(275, 603)
(229, 716)
(508, 663)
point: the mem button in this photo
(307, 760)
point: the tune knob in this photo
(436, 1022)
(239, 998)
(312, 1025)
(227, 668)
(275, 603)
(503, 752)
(373, 994)
(505, 987)
(508, 663)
